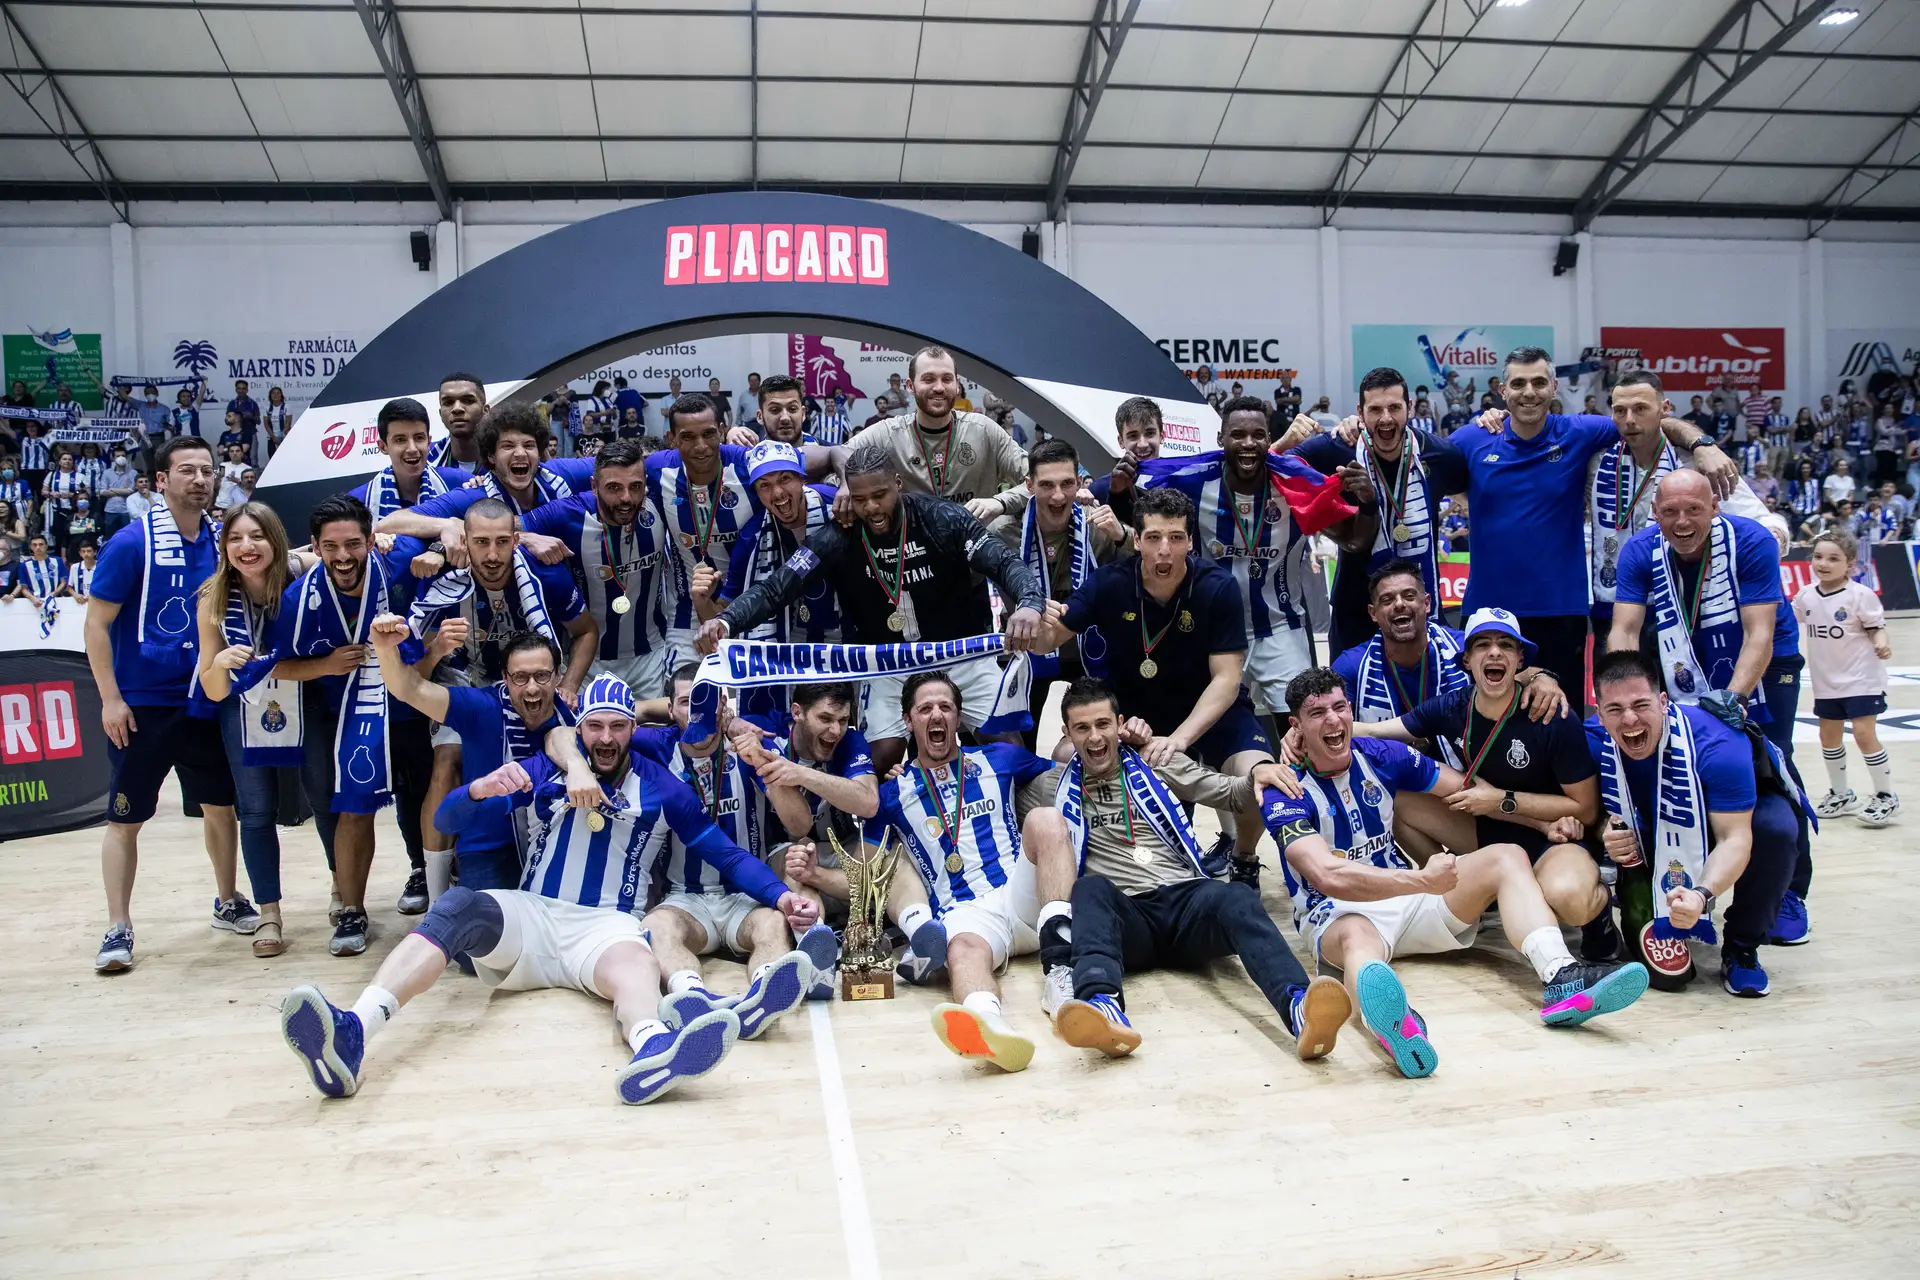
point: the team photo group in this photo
(657, 710)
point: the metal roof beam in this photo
(1106, 32)
(382, 20)
(1897, 152)
(38, 88)
(1751, 32)
(1422, 56)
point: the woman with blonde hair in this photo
(259, 716)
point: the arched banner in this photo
(746, 262)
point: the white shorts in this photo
(645, 673)
(721, 915)
(549, 943)
(444, 735)
(1272, 661)
(978, 682)
(1414, 924)
(1007, 918)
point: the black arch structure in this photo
(1004, 315)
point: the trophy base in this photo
(866, 984)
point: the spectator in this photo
(1421, 420)
(39, 575)
(7, 565)
(18, 396)
(1456, 418)
(91, 466)
(1764, 486)
(115, 488)
(1826, 416)
(13, 521)
(749, 411)
(830, 419)
(722, 408)
(279, 420)
(1751, 455)
(1779, 429)
(1210, 391)
(63, 400)
(236, 432)
(1726, 400)
(627, 400)
(119, 404)
(632, 420)
(233, 466)
(1323, 414)
(1286, 398)
(248, 479)
(1804, 429)
(58, 493)
(184, 418)
(1458, 394)
(83, 527)
(1893, 500)
(563, 421)
(598, 414)
(152, 414)
(893, 400)
(80, 572)
(140, 501)
(14, 490)
(1496, 391)
(1889, 446)
(1698, 414)
(1753, 411)
(246, 406)
(1858, 439)
(1839, 481)
(1454, 524)
(1591, 406)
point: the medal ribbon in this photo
(891, 591)
(704, 530)
(718, 765)
(1623, 518)
(1393, 671)
(1394, 495)
(609, 558)
(949, 829)
(1466, 739)
(1252, 539)
(1689, 615)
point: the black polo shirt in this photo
(1540, 758)
(1203, 618)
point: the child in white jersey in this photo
(1847, 649)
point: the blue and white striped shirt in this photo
(977, 855)
(732, 799)
(764, 546)
(702, 521)
(1272, 573)
(637, 566)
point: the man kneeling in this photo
(571, 922)
(1361, 902)
(1142, 898)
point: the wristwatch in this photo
(1508, 804)
(1703, 442)
(1708, 898)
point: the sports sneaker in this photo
(235, 915)
(1056, 988)
(1600, 940)
(1880, 811)
(1244, 871)
(1098, 1023)
(822, 947)
(1790, 924)
(413, 898)
(330, 1041)
(679, 1053)
(1314, 1016)
(1398, 1032)
(1834, 804)
(679, 1008)
(924, 962)
(1740, 972)
(978, 1035)
(350, 934)
(777, 990)
(116, 951)
(1582, 991)
(1217, 860)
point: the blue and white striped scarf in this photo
(383, 493)
(1378, 697)
(549, 486)
(362, 757)
(1149, 795)
(165, 630)
(271, 723)
(1080, 567)
(1717, 629)
(455, 592)
(1678, 851)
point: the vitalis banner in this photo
(53, 750)
(299, 363)
(1426, 354)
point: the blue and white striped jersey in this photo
(703, 522)
(36, 452)
(634, 551)
(733, 800)
(1351, 811)
(764, 546)
(962, 832)
(1272, 572)
(440, 454)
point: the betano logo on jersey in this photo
(776, 253)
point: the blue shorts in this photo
(1874, 704)
(1236, 731)
(167, 740)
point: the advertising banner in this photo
(299, 363)
(1426, 354)
(53, 750)
(46, 360)
(1696, 360)
(1873, 360)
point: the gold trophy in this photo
(866, 961)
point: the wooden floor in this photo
(156, 1126)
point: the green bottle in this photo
(1669, 961)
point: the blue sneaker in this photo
(681, 1007)
(682, 1053)
(116, 951)
(779, 989)
(924, 962)
(1580, 991)
(1216, 862)
(1398, 1032)
(1098, 1023)
(329, 1040)
(1740, 972)
(1790, 924)
(822, 947)
(1315, 1015)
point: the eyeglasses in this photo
(521, 679)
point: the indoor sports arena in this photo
(923, 639)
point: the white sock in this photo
(1836, 760)
(914, 916)
(644, 1030)
(984, 1003)
(682, 980)
(1053, 909)
(1546, 951)
(1880, 771)
(375, 1008)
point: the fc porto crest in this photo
(1370, 792)
(1839, 615)
(1275, 512)
(1517, 754)
(1675, 878)
(273, 719)
(1683, 677)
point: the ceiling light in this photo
(1508, 4)
(1839, 17)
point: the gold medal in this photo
(1149, 668)
(1401, 533)
(800, 611)
(954, 863)
(1143, 857)
(595, 822)
(897, 622)
(621, 604)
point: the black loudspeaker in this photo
(1030, 242)
(423, 250)
(1567, 258)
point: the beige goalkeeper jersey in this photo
(1146, 861)
(974, 458)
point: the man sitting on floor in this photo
(570, 924)
(1361, 902)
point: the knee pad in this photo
(463, 922)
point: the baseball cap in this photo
(772, 456)
(1496, 622)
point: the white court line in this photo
(856, 1227)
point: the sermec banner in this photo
(1426, 354)
(1690, 360)
(53, 750)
